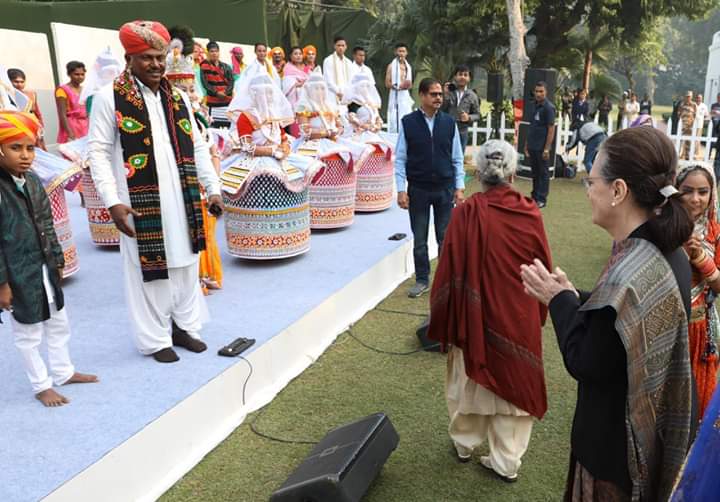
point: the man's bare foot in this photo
(81, 378)
(51, 398)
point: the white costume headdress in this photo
(362, 91)
(266, 105)
(315, 96)
(105, 69)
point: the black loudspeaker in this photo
(341, 467)
(495, 85)
(427, 344)
(532, 77)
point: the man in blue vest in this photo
(429, 160)
(539, 144)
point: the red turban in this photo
(140, 36)
(18, 125)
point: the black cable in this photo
(387, 352)
(253, 428)
(390, 311)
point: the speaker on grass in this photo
(495, 83)
(427, 344)
(341, 467)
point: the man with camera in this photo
(461, 103)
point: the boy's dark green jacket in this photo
(27, 241)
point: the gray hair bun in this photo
(496, 162)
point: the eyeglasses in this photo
(435, 94)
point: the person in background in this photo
(359, 55)
(495, 381)
(218, 81)
(293, 80)
(604, 108)
(632, 110)
(32, 263)
(237, 62)
(626, 342)
(259, 66)
(71, 114)
(687, 113)
(539, 143)
(646, 105)
(277, 54)
(338, 70)
(589, 134)
(19, 82)
(566, 102)
(701, 115)
(580, 107)
(429, 174)
(398, 79)
(310, 59)
(199, 55)
(461, 103)
(698, 190)
(621, 110)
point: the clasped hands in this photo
(541, 283)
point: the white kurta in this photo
(400, 102)
(150, 316)
(364, 70)
(338, 73)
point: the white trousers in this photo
(154, 305)
(57, 335)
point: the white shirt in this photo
(109, 174)
(701, 113)
(364, 70)
(338, 72)
(258, 68)
(20, 183)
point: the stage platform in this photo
(134, 434)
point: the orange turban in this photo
(307, 49)
(140, 36)
(18, 125)
(276, 50)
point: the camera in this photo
(452, 87)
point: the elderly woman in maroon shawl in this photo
(495, 377)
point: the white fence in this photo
(697, 142)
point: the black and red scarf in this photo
(136, 139)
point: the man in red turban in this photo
(147, 157)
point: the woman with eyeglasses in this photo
(698, 190)
(626, 342)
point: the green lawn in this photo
(349, 382)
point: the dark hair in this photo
(212, 44)
(14, 73)
(541, 83)
(258, 44)
(338, 38)
(646, 160)
(295, 48)
(399, 45)
(426, 83)
(462, 68)
(358, 49)
(185, 34)
(74, 65)
(695, 169)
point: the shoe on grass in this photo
(418, 289)
(485, 462)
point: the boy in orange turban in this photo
(31, 263)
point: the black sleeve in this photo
(590, 345)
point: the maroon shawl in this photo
(478, 303)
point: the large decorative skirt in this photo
(332, 195)
(63, 229)
(375, 183)
(267, 220)
(102, 228)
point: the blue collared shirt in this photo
(401, 156)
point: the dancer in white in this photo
(398, 79)
(146, 167)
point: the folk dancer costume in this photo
(30, 261)
(375, 177)
(266, 196)
(292, 76)
(400, 102)
(495, 379)
(704, 327)
(180, 74)
(255, 69)
(146, 152)
(332, 190)
(626, 343)
(699, 479)
(102, 229)
(338, 73)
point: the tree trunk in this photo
(587, 69)
(651, 85)
(517, 55)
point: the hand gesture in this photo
(541, 284)
(464, 117)
(694, 248)
(119, 214)
(459, 196)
